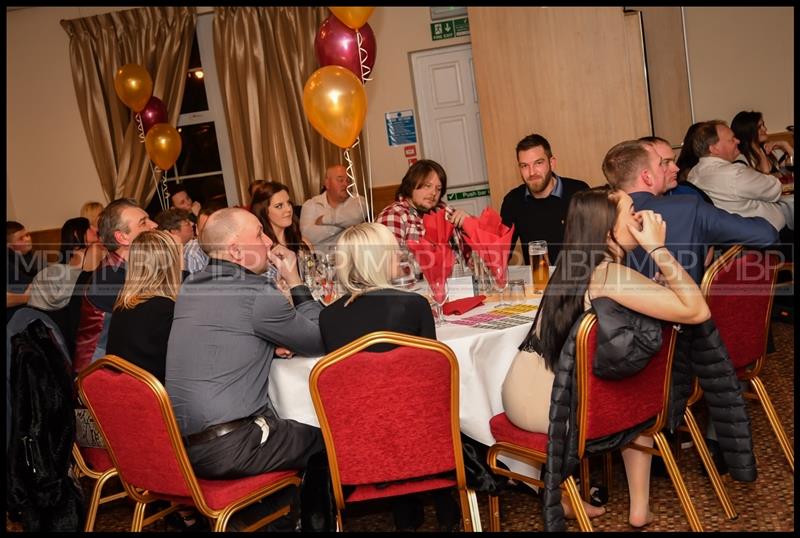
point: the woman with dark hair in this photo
(79, 251)
(754, 146)
(685, 162)
(601, 228)
(273, 207)
(421, 192)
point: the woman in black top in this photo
(142, 317)
(368, 258)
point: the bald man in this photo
(229, 320)
(325, 216)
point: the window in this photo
(204, 166)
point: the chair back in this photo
(389, 416)
(135, 417)
(610, 406)
(739, 287)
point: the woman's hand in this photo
(285, 261)
(782, 145)
(653, 231)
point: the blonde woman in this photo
(91, 211)
(142, 316)
(368, 258)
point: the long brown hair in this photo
(590, 219)
(153, 269)
(262, 195)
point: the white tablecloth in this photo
(484, 356)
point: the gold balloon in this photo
(335, 103)
(163, 144)
(353, 17)
(134, 86)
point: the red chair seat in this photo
(221, 493)
(97, 459)
(366, 492)
(504, 431)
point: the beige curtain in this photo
(157, 38)
(264, 57)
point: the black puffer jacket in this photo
(700, 351)
(626, 341)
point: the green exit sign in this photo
(451, 28)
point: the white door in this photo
(449, 119)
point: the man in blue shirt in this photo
(538, 207)
(637, 168)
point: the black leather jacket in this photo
(626, 341)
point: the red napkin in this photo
(462, 306)
(491, 239)
(432, 252)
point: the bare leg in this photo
(637, 469)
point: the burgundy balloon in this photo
(154, 112)
(337, 44)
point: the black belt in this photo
(215, 431)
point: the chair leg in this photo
(585, 478)
(494, 513)
(339, 522)
(96, 500)
(466, 512)
(708, 463)
(677, 481)
(138, 517)
(608, 469)
(577, 505)
(774, 421)
(475, 518)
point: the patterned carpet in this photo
(765, 505)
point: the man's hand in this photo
(284, 353)
(457, 217)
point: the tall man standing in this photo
(325, 216)
(538, 207)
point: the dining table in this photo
(484, 341)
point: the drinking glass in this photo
(439, 293)
(516, 291)
(540, 265)
(500, 282)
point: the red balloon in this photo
(337, 44)
(154, 112)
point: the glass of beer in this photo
(540, 265)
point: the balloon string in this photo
(140, 127)
(163, 197)
(351, 183)
(362, 57)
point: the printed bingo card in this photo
(501, 317)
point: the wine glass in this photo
(439, 293)
(500, 281)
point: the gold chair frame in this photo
(468, 500)
(81, 468)
(221, 517)
(759, 391)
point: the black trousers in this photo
(240, 453)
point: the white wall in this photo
(50, 172)
(742, 58)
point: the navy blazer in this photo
(693, 226)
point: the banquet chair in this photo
(390, 421)
(135, 418)
(605, 407)
(739, 288)
(96, 464)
